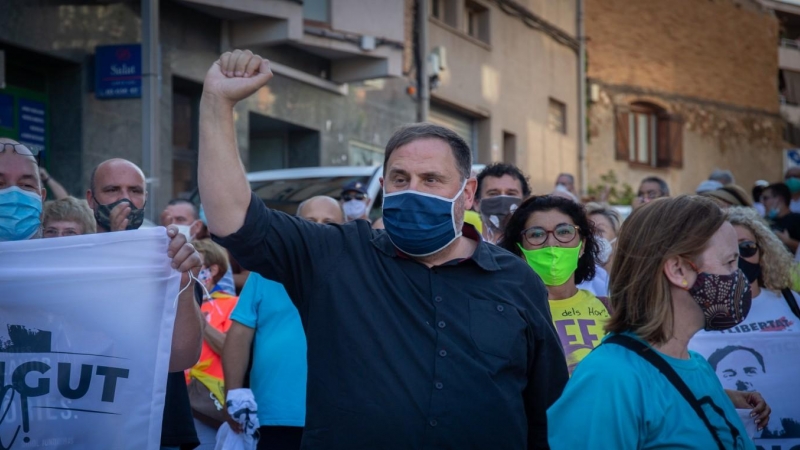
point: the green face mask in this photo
(554, 264)
(793, 184)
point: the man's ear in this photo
(195, 228)
(90, 199)
(469, 193)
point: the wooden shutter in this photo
(676, 141)
(669, 138)
(622, 135)
(663, 143)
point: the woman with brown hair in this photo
(675, 273)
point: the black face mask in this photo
(103, 215)
(497, 210)
(751, 271)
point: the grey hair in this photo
(424, 130)
(608, 212)
(662, 185)
(568, 175)
(723, 176)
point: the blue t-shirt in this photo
(278, 376)
(616, 399)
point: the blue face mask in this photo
(20, 214)
(420, 224)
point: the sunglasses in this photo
(356, 196)
(747, 249)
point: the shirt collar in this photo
(483, 256)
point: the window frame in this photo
(664, 136)
(552, 102)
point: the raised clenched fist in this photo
(236, 76)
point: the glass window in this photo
(316, 10)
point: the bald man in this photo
(321, 209)
(117, 194)
(21, 192)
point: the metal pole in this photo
(423, 80)
(583, 165)
(151, 79)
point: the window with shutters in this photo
(647, 135)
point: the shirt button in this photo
(438, 299)
(433, 422)
(500, 308)
(439, 385)
(442, 352)
(442, 324)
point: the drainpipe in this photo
(151, 150)
(423, 81)
(583, 166)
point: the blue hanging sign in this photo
(118, 71)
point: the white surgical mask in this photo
(353, 209)
(185, 230)
(605, 249)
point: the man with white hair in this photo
(724, 177)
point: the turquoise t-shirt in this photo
(617, 400)
(278, 376)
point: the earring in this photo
(684, 283)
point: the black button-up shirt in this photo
(402, 356)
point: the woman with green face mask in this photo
(557, 240)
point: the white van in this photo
(285, 189)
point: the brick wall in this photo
(719, 50)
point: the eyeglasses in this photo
(22, 149)
(564, 233)
(649, 195)
(747, 249)
(356, 196)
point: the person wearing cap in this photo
(730, 195)
(708, 186)
(355, 201)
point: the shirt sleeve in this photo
(601, 408)
(547, 369)
(246, 310)
(283, 248)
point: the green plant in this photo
(608, 191)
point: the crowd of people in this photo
(474, 313)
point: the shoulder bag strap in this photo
(789, 296)
(663, 366)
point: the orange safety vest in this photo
(208, 369)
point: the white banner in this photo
(85, 335)
(766, 362)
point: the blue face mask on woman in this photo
(420, 224)
(20, 214)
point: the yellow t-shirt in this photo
(474, 219)
(579, 321)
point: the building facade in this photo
(508, 81)
(338, 92)
(676, 91)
